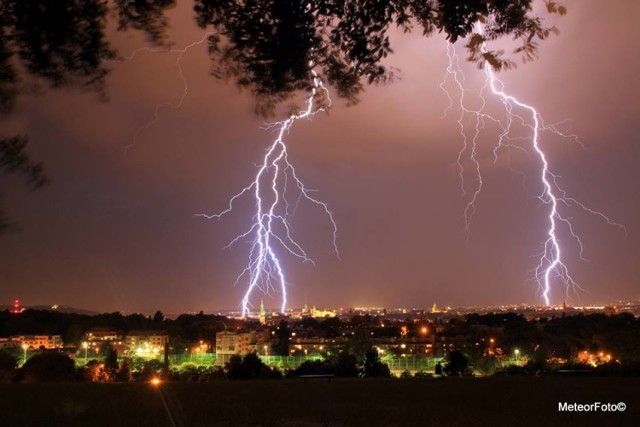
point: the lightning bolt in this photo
(172, 104)
(551, 265)
(271, 228)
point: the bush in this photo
(346, 365)
(249, 367)
(8, 365)
(373, 367)
(313, 367)
(94, 372)
(457, 364)
(48, 367)
(423, 374)
(150, 369)
(512, 371)
(125, 370)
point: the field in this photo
(496, 401)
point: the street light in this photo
(85, 345)
(25, 347)
(517, 352)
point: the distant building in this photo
(317, 345)
(314, 312)
(263, 314)
(8, 343)
(435, 309)
(96, 337)
(322, 313)
(229, 343)
(103, 334)
(145, 343)
(35, 342)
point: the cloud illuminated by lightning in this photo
(551, 265)
(271, 229)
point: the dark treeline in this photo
(462, 345)
(559, 337)
(186, 328)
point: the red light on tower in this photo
(16, 306)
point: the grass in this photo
(511, 401)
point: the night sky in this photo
(115, 229)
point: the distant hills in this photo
(55, 307)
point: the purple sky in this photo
(115, 229)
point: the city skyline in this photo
(115, 229)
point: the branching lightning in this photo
(271, 228)
(551, 265)
(177, 104)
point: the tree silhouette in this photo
(8, 364)
(249, 367)
(457, 364)
(14, 160)
(373, 367)
(125, 370)
(270, 47)
(345, 365)
(111, 363)
(150, 368)
(158, 317)
(145, 15)
(282, 335)
(49, 366)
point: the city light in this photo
(594, 359)
(155, 381)
(85, 345)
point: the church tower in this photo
(263, 314)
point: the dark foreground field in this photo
(511, 401)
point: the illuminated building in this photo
(35, 342)
(263, 314)
(322, 313)
(6, 343)
(229, 343)
(96, 337)
(145, 343)
(317, 345)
